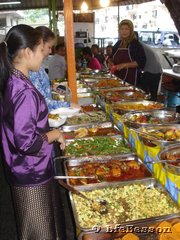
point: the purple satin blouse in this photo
(24, 122)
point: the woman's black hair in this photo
(46, 33)
(87, 51)
(19, 37)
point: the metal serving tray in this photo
(105, 159)
(85, 95)
(91, 108)
(124, 95)
(149, 130)
(166, 153)
(95, 74)
(122, 88)
(119, 106)
(166, 117)
(122, 85)
(148, 183)
(117, 138)
(150, 230)
(70, 127)
(83, 131)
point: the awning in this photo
(174, 8)
(33, 4)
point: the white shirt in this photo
(57, 67)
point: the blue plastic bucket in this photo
(173, 99)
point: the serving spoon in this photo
(74, 177)
(99, 205)
(164, 161)
(149, 136)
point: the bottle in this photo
(68, 96)
(84, 63)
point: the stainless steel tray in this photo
(70, 128)
(157, 130)
(121, 106)
(127, 95)
(121, 85)
(101, 160)
(91, 108)
(163, 116)
(147, 183)
(119, 139)
(84, 90)
(92, 130)
(145, 231)
(88, 119)
(85, 94)
(96, 74)
(171, 152)
(122, 88)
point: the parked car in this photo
(161, 38)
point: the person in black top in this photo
(128, 56)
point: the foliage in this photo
(35, 15)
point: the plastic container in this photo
(68, 95)
(173, 99)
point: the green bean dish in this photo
(97, 146)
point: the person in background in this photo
(99, 55)
(57, 64)
(128, 56)
(26, 138)
(92, 62)
(151, 74)
(40, 78)
(108, 53)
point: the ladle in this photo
(97, 205)
(87, 113)
(164, 161)
(74, 177)
(150, 137)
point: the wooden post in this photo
(50, 9)
(54, 20)
(70, 49)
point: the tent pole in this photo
(50, 9)
(70, 51)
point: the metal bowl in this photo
(168, 153)
(123, 107)
(156, 117)
(162, 135)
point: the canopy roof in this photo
(32, 4)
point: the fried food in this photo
(133, 164)
(81, 132)
(177, 227)
(53, 116)
(130, 236)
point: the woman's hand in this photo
(110, 63)
(118, 67)
(61, 140)
(121, 66)
(56, 135)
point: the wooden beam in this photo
(70, 50)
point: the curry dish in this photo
(113, 170)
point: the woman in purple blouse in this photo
(26, 137)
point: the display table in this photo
(169, 180)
